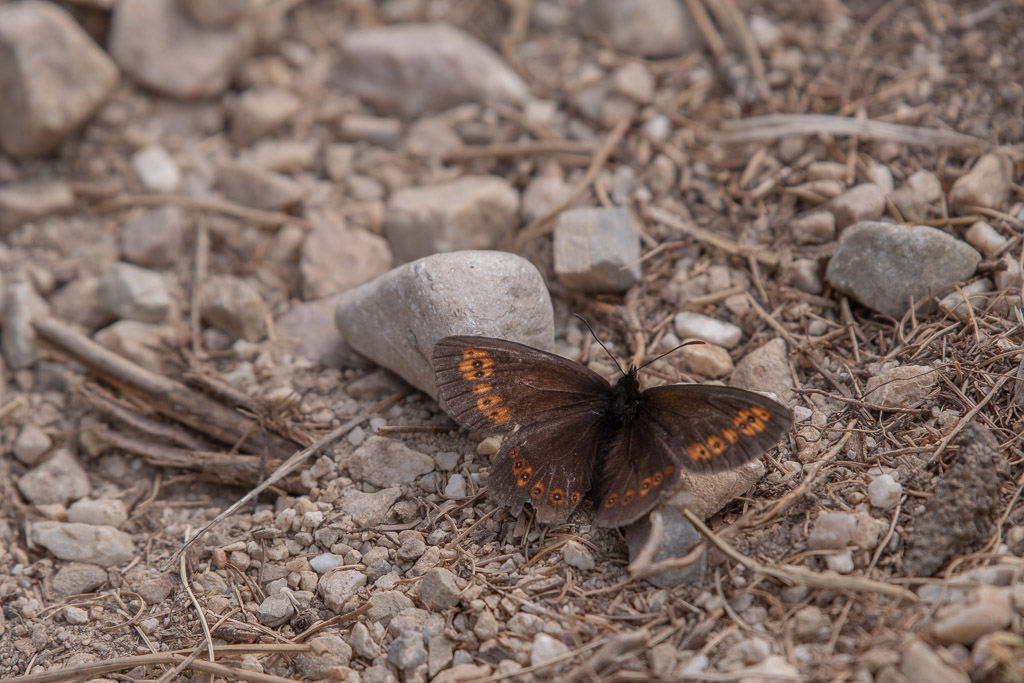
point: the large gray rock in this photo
(52, 76)
(645, 28)
(883, 265)
(415, 69)
(397, 318)
(101, 545)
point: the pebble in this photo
(283, 156)
(707, 360)
(986, 185)
(439, 589)
(447, 461)
(21, 305)
(882, 265)
(414, 618)
(766, 369)
(407, 651)
(927, 184)
(463, 673)
(387, 462)
(75, 578)
(260, 111)
(884, 492)
(103, 512)
(275, 610)
(101, 545)
(633, 81)
(984, 610)
(157, 589)
(805, 275)
(546, 648)
(711, 330)
(377, 130)
(141, 343)
(368, 509)
(412, 545)
(864, 202)
(59, 480)
(832, 530)
(388, 604)
(55, 77)
(1012, 275)
(840, 562)
(490, 293)
(472, 212)
(154, 238)
(337, 588)
(597, 249)
(235, 307)
(543, 194)
(132, 293)
(329, 655)
(76, 616)
(985, 239)
(525, 624)
(679, 539)
(439, 653)
(575, 554)
(250, 185)
(418, 68)
(362, 642)
(156, 169)
(325, 562)
(772, 668)
(27, 201)
(456, 486)
(921, 664)
(31, 445)
(642, 28)
(904, 386)
(486, 625)
(811, 624)
(336, 256)
(157, 44)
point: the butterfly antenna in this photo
(594, 335)
(672, 350)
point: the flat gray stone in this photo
(644, 28)
(597, 249)
(472, 212)
(102, 545)
(23, 202)
(396, 319)
(52, 76)
(60, 479)
(883, 265)
(234, 306)
(387, 462)
(134, 293)
(336, 588)
(75, 578)
(414, 69)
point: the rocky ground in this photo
(195, 198)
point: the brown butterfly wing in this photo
(703, 428)
(548, 464)
(490, 385)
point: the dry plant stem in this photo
(644, 566)
(183, 575)
(798, 575)
(291, 464)
(730, 15)
(165, 395)
(262, 218)
(711, 238)
(969, 416)
(776, 126)
(199, 270)
(94, 669)
(161, 430)
(539, 226)
(608, 655)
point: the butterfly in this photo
(574, 433)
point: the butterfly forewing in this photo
(491, 385)
(548, 464)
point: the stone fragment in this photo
(156, 169)
(439, 589)
(397, 318)
(816, 227)
(275, 610)
(336, 588)
(546, 648)
(75, 578)
(463, 673)
(104, 512)
(154, 238)
(985, 609)
(368, 509)
(21, 306)
(883, 266)
(387, 605)
(711, 330)
(282, 156)
(235, 307)
(255, 187)
(904, 386)
(921, 664)
(337, 257)
(27, 201)
(161, 47)
(414, 69)
(633, 81)
(472, 212)
(101, 545)
(59, 480)
(377, 130)
(985, 239)
(328, 658)
(986, 185)
(707, 360)
(966, 299)
(407, 650)
(31, 445)
(643, 28)
(260, 111)
(597, 249)
(884, 492)
(766, 369)
(865, 202)
(134, 293)
(387, 462)
(52, 76)
(543, 194)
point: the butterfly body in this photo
(573, 433)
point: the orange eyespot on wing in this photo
(537, 492)
(730, 435)
(575, 497)
(698, 451)
(628, 497)
(482, 388)
(645, 485)
(716, 444)
(525, 475)
(499, 415)
(557, 496)
(611, 500)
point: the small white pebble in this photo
(324, 563)
(884, 492)
(377, 422)
(711, 330)
(575, 555)
(985, 238)
(841, 562)
(356, 436)
(456, 486)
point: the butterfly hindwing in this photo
(702, 428)
(548, 464)
(491, 385)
